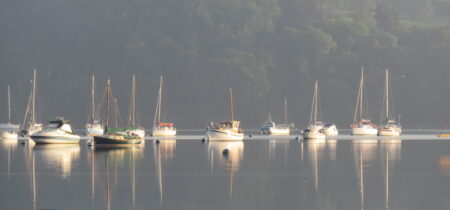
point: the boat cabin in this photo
(62, 124)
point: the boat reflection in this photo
(59, 156)
(315, 148)
(277, 147)
(391, 149)
(114, 159)
(9, 146)
(229, 154)
(230, 161)
(167, 148)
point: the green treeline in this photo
(265, 49)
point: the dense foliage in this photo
(265, 50)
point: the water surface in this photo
(258, 173)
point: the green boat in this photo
(116, 137)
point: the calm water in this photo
(257, 174)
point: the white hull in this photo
(54, 137)
(9, 135)
(390, 132)
(276, 131)
(94, 131)
(313, 135)
(164, 132)
(331, 132)
(364, 131)
(138, 132)
(215, 135)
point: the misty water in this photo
(258, 173)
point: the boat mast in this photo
(386, 89)
(33, 100)
(313, 116)
(358, 109)
(131, 121)
(157, 119)
(9, 106)
(108, 95)
(231, 104)
(362, 94)
(285, 111)
(93, 99)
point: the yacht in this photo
(362, 125)
(30, 126)
(94, 127)
(133, 127)
(9, 131)
(315, 127)
(270, 127)
(58, 131)
(162, 128)
(390, 127)
(226, 130)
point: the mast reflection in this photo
(315, 149)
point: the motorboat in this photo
(58, 131)
(270, 127)
(226, 130)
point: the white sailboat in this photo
(389, 127)
(162, 128)
(133, 128)
(30, 125)
(270, 127)
(94, 127)
(9, 131)
(314, 129)
(362, 124)
(226, 130)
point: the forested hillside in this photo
(265, 50)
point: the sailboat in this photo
(314, 129)
(270, 127)
(226, 130)
(362, 125)
(115, 137)
(133, 128)
(30, 125)
(94, 127)
(9, 131)
(390, 127)
(162, 128)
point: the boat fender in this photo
(226, 151)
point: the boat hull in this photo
(55, 139)
(164, 132)
(364, 131)
(310, 135)
(276, 131)
(216, 135)
(389, 132)
(9, 135)
(94, 131)
(105, 141)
